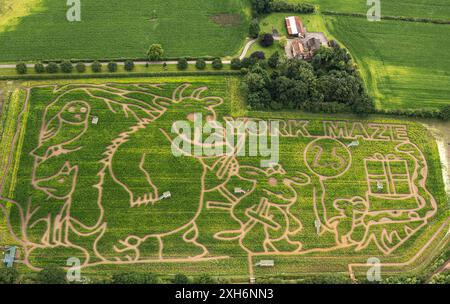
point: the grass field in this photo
(405, 64)
(86, 185)
(122, 29)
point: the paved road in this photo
(248, 45)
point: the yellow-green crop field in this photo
(96, 158)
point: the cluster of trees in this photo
(445, 113)
(330, 80)
(301, 8)
(9, 275)
(254, 29)
(69, 67)
(155, 52)
(56, 275)
(200, 64)
(149, 278)
(266, 39)
(134, 278)
(270, 6)
(48, 275)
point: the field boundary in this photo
(119, 75)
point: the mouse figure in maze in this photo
(265, 212)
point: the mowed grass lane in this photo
(114, 29)
(405, 64)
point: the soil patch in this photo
(227, 19)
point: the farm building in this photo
(295, 27)
(298, 49)
(313, 44)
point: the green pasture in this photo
(125, 29)
(182, 177)
(438, 9)
(404, 64)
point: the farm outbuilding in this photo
(295, 27)
(297, 49)
(306, 48)
(9, 256)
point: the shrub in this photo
(134, 278)
(266, 40)
(204, 279)
(39, 68)
(80, 67)
(200, 64)
(258, 55)
(96, 67)
(52, 68)
(283, 42)
(155, 52)
(236, 64)
(245, 63)
(66, 67)
(254, 29)
(21, 68)
(129, 65)
(261, 6)
(217, 64)
(270, 6)
(274, 60)
(51, 275)
(181, 279)
(8, 275)
(282, 6)
(112, 67)
(182, 64)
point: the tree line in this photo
(330, 82)
(261, 7)
(68, 67)
(57, 275)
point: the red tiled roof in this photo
(300, 27)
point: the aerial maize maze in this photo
(89, 165)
